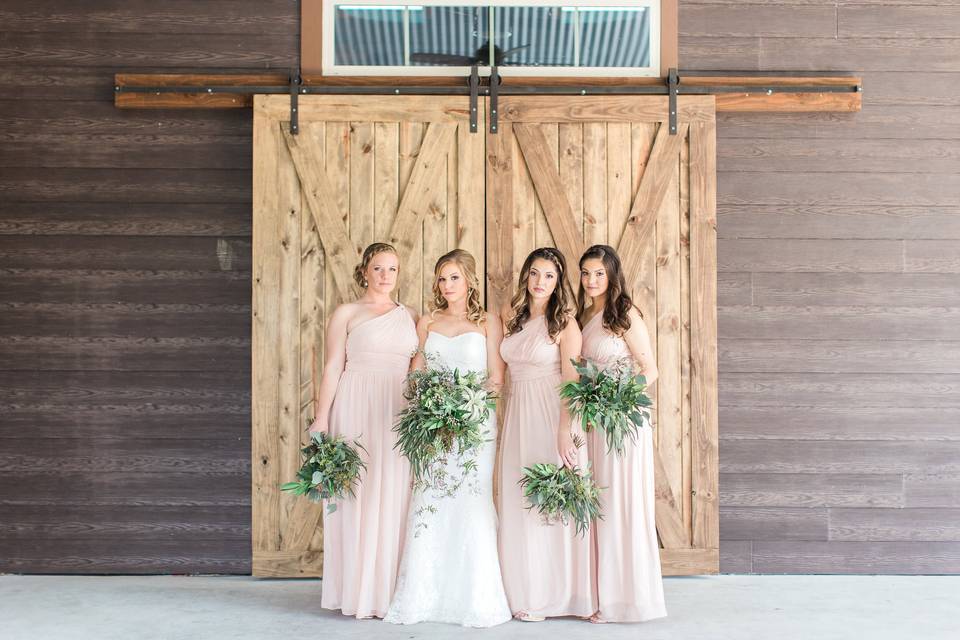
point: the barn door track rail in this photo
(734, 91)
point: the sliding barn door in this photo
(575, 171)
(404, 170)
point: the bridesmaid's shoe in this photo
(596, 619)
(523, 616)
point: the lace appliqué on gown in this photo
(450, 571)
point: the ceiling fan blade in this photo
(443, 59)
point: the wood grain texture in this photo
(810, 490)
(736, 556)
(774, 523)
(840, 356)
(851, 422)
(932, 490)
(832, 390)
(833, 557)
(839, 222)
(861, 323)
(888, 525)
(803, 456)
(703, 333)
(898, 21)
(541, 164)
(792, 20)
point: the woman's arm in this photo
(333, 365)
(638, 341)
(423, 329)
(570, 343)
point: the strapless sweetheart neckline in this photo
(459, 335)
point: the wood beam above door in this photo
(740, 92)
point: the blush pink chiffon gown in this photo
(547, 569)
(363, 538)
(629, 584)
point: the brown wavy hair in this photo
(468, 267)
(368, 253)
(616, 308)
(559, 305)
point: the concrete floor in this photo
(714, 608)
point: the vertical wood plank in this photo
(703, 335)
(685, 495)
(570, 152)
(471, 187)
(500, 212)
(594, 183)
(619, 194)
(362, 183)
(412, 268)
(313, 317)
(337, 141)
(265, 333)
(288, 316)
(435, 218)
(644, 283)
(524, 211)
(543, 234)
(453, 190)
(386, 171)
(669, 398)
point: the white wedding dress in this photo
(450, 567)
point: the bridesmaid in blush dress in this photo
(547, 569)
(629, 584)
(369, 344)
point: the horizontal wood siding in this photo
(839, 290)
(125, 254)
(125, 289)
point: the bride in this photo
(450, 571)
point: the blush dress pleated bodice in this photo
(363, 538)
(547, 568)
(629, 583)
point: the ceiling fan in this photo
(480, 57)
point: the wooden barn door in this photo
(575, 171)
(362, 169)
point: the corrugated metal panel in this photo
(538, 35)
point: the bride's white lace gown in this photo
(450, 568)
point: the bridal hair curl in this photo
(368, 254)
(468, 268)
(616, 308)
(560, 303)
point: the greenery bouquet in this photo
(446, 415)
(612, 398)
(561, 494)
(331, 470)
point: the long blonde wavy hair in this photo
(468, 267)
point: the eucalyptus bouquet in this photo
(611, 398)
(561, 494)
(331, 470)
(446, 416)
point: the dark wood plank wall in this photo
(839, 260)
(125, 289)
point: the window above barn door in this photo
(521, 37)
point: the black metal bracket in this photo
(294, 104)
(673, 85)
(474, 97)
(494, 98)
